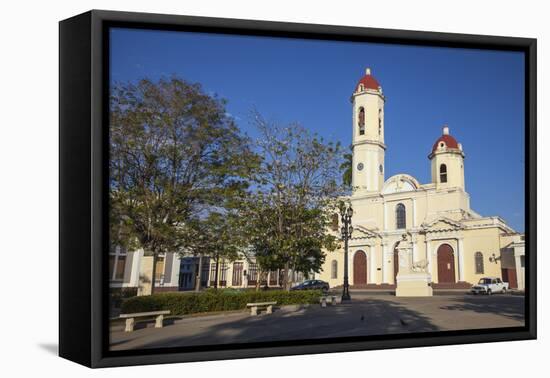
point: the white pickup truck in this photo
(490, 285)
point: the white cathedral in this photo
(458, 245)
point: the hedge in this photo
(117, 295)
(214, 300)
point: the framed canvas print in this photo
(234, 188)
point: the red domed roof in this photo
(368, 81)
(450, 141)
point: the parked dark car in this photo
(312, 285)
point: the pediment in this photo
(360, 232)
(400, 183)
(442, 224)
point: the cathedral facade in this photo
(458, 245)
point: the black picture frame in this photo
(83, 122)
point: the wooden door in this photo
(237, 274)
(252, 274)
(273, 278)
(445, 264)
(223, 274)
(359, 268)
(509, 275)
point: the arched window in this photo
(361, 121)
(334, 269)
(443, 173)
(400, 216)
(479, 263)
(334, 223)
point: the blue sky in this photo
(478, 93)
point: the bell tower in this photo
(368, 135)
(447, 160)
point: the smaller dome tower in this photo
(447, 160)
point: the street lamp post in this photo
(346, 212)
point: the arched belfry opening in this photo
(361, 121)
(443, 173)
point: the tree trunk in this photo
(285, 278)
(216, 274)
(259, 279)
(154, 273)
(290, 278)
(199, 273)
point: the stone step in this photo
(455, 285)
(436, 286)
(369, 287)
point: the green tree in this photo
(347, 167)
(215, 236)
(174, 154)
(295, 189)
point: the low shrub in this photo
(117, 295)
(214, 300)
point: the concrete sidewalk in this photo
(365, 315)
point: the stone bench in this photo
(327, 298)
(254, 307)
(130, 318)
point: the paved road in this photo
(365, 315)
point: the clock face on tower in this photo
(360, 166)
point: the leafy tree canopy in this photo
(174, 154)
(295, 188)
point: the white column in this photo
(429, 257)
(136, 265)
(520, 272)
(385, 216)
(384, 267)
(175, 270)
(460, 260)
(229, 275)
(414, 212)
(372, 273)
(415, 252)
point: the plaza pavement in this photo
(366, 314)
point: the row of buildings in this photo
(457, 244)
(132, 271)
